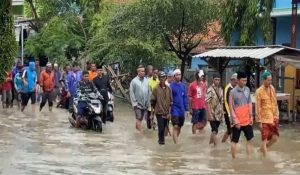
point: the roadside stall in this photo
(273, 58)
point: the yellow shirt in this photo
(266, 105)
(152, 85)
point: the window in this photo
(297, 78)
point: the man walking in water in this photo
(197, 92)
(240, 104)
(29, 79)
(140, 96)
(267, 113)
(161, 101)
(47, 83)
(227, 90)
(179, 106)
(214, 100)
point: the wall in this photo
(289, 86)
(283, 4)
(283, 31)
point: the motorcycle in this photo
(93, 113)
(110, 108)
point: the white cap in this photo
(201, 73)
(48, 64)
(234, 76)
(176, 71)
(55, 65)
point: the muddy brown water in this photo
(43, 143)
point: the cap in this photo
(55, 65)
(48, 64)
(234, 76)
(201, 73)
(162, 74)
(266, 74)
(176, 71)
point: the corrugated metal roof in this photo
(256, 53)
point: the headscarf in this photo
(266, 74)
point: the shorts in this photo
(177, 121)
(6, 96)
(228, 124)
(140, 114)
(248, 132)
(26, 96)
(81, 108)
(268, 130)
(215, 126)
(198, 116)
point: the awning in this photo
(254, 52)
(257, 53)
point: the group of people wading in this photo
(165, 96)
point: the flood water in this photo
(43, 143)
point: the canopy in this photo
(253, 52)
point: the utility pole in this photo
(294, 23)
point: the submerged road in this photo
(44, 143)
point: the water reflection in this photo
(44, 143)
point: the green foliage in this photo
(61, 39)
(8, 45)
(246, 17)
(107, 47)
(154, 29)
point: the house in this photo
(18, 8)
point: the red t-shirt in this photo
(197, 92)
(7, 86)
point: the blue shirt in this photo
(18, 82)
(31, 78)
(180, 102)
(73, 78)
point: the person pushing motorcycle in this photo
(85, 87)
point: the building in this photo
(18, 8)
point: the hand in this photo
(251, 121)
(168, 116)
(68, 94)
(210, 118)
(260, 126)
(187, 114)
(191, 112)
(276, 121)
(237, 126)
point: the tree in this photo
(62, 28)
(131, 51)
(178, 25)
(8, 45)
(246, 17)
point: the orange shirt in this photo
(47, 80)
(266, 105)
(92, 75)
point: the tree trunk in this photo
(8, 44)
(182, 68)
